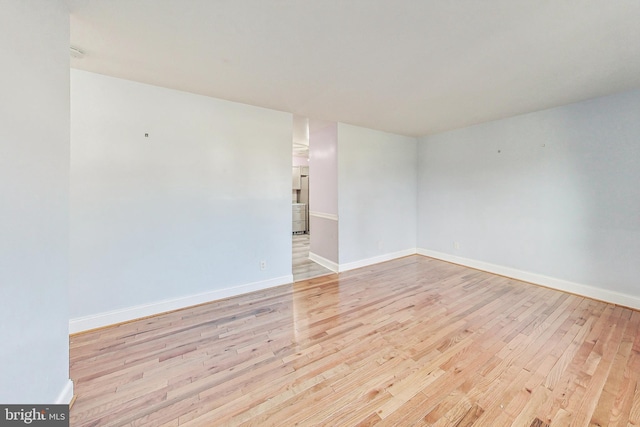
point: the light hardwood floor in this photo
(414, 341)
(303, 267)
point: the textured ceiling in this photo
(404, 66)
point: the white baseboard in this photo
(100, 320)
(333, 266)
(539, 279)
(375, 260)
(65, 396)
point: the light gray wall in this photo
(192, 208)
(556, 192)
(377, 187)
(323, 168)
(323, 189)
(34, 194)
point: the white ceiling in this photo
(411, 67)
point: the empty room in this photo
(465, 182)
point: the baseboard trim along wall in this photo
(99, 320)
(539, 279)
(375, 260)
(65, 396)
(333, 266)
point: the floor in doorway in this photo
(303, 267)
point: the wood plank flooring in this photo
(414, 341)
(303, 267)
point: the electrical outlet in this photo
(456, 245)
(379, 245)
(263, 265)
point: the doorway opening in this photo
(302, 266)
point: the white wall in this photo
(555, 193)
(34, 194)
(377, 187)
(192, 209)
(300, 161)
